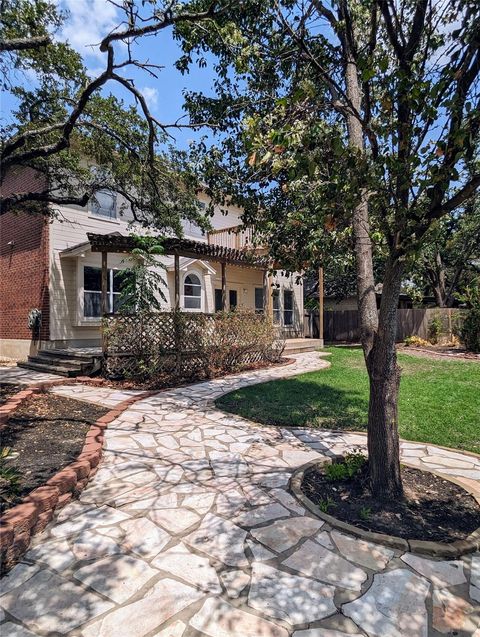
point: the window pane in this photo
(192, 290)
(232, 298)
(119, 277)
(259, 299)
(288, 299)
(218, 300)
(92, 278)
(192, 303)
(287, 307)
(103, 203)
(192, 279)
(92, 304)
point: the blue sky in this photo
(89, 21)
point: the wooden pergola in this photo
(117, 243)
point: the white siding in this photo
(70, 229)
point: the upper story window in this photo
(192, 292)
(104, 204)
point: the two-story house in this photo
(54, 266)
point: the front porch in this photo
(87, 361)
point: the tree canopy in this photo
(67, 127)
(350, 126)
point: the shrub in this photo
(346, 470)
(415, 341)
(187, 345)
(434, 329)
(470, 331)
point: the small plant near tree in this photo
(365, 513)
(325, 505)
(348, 469)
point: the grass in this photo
(439, 399)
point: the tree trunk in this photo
(384, 375)
(377, 332)
(367, 301)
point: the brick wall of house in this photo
(24, 265)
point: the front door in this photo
(232, 299)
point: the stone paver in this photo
(297, 600)
(394, 606)
(188, 528)
(441, 574)
(217, 618)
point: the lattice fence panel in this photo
(186, 345)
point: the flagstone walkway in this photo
(188, 529)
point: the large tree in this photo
(349, 119)
(75, 136)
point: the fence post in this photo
(178, 340)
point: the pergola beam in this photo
(181, 247)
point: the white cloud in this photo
(151, 96)
(88, 22)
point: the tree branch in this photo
(22, 44)
(44, 196)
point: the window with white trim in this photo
(104, 204)
(192, 292)
(92, 291)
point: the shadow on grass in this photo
(298, 402)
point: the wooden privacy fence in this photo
(186, 344)
(343, 325)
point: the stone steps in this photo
(302, 345)
(66, 362)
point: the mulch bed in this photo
(7, 390)
(433, 509)
(440, 352)
(45, 433)
(166, 381)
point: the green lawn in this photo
(439, 400)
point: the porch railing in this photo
(235, 237)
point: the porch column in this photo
(320, 303)
(104, 283)
(224, 286)
(267, 295)
(177, 281)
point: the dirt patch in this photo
(7, 390)
(440, 352)
(45, 433)
(433, 508)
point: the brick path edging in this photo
(20, 523)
